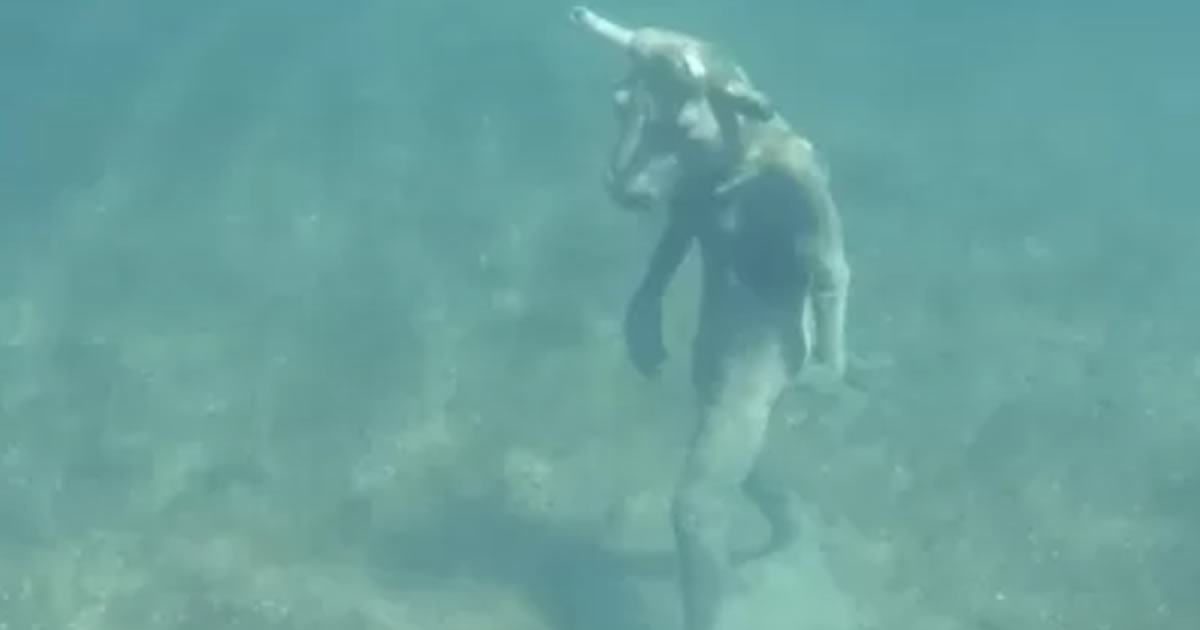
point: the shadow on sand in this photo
(572, 579)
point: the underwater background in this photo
(310, 317)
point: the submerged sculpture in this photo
(698, 141)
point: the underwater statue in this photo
(699, 142)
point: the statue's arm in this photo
(824, 258)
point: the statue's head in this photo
(644, 167)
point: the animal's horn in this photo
(610, 31)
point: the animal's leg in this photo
(734, 418)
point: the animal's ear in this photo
(744, 99)
(669, 59)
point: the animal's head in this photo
(676, 110)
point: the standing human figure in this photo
(697, 139)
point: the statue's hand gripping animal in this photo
(697, 138)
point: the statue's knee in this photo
(698, 508)
(832, 274)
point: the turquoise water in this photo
(309, 316)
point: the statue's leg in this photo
(740, 372)
(763, 487)
(773, 501)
